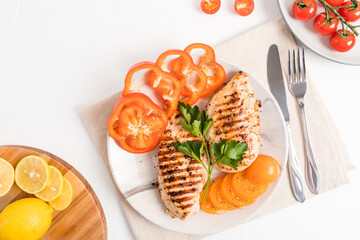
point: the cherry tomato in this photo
(244, 7)
(323, 26)
(264, 170)
(334, 3)
(351, 14)
(304, 9)
(137, 123)
(210, 6)
(342, 42)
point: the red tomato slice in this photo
(342, 42)
(136, 123)
(244, 7)
(210, 6)
(352, 12)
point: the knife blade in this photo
(277, 88)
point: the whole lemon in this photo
(27, 218)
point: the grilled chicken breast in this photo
(235, 114)
(181, 178)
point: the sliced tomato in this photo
(136, 123)
(217, 198)
(210, 6)
(264, 170)
(207, 205)
(229, 194)
(244, 7)
(245, 189)
(214, 71)
(191, 91)
(165, 83)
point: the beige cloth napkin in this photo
(249, 51)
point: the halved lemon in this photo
(53, 187)
(32, 174)
(6, 176)
(65, 197)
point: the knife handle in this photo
(312, 174)
(294, 170)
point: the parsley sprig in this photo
(198, 123)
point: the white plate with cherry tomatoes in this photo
(134, 174)
(304, 32)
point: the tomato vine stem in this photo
(343, 21)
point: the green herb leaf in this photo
(191, 149)
(190, 113)
(229, 153)
(205, 122)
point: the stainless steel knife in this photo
(277, 88)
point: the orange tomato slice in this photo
(218, 199)
(244, 188)
(263, 170)
(229, 195)
(207, 205)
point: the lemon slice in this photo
(65, 197)
(6, 177)
(32, 174)
(53, 187)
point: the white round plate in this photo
(135, 173)
(319, 44)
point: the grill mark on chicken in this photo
(181, 178)
(181, 200)
(235, 114)
(182, 192)
(181, 185)
(228, 117)
(181, 170)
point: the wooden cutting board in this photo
(83, 219)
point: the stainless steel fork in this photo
(298, 86)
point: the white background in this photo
(59, 56)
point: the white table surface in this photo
(59, 56)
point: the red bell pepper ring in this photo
(137, 123)
(214, 71)
(170, 92)
(192, 92)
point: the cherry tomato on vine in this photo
(342, 42)
(210, 6)
(304, 9)
(323, 26)
(244, 7)
(334, 3)
(351, 14)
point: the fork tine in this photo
(299, 66)
(294, 68)
(304, 67)
(289, 68)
